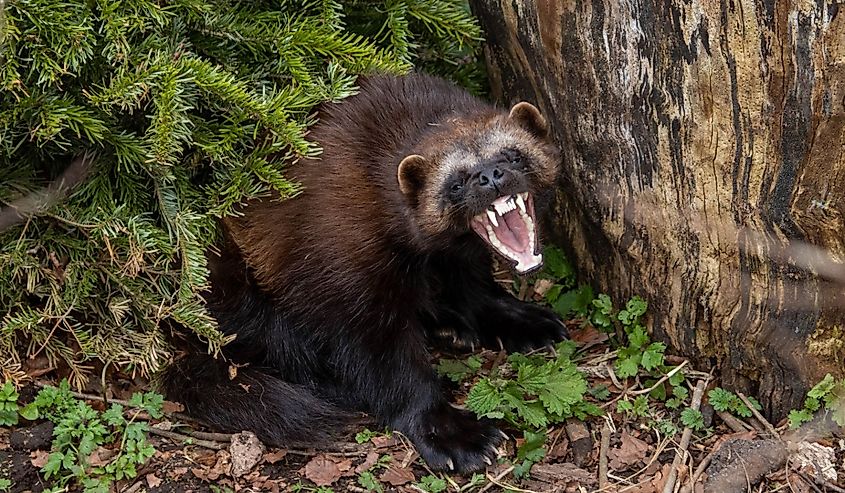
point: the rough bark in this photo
(703, 168)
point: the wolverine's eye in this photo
(456, 187)
(515, 158)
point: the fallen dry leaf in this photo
(153, 481)
(323, 470)
(38, 458)
(383, 441)
(369, 461)
(629, 452)
(587, 336)
(397, 475)
(172, 407)
(275, 456)
(101, 456)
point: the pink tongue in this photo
(512, 231)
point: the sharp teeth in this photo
(492, 216)
(521, 203)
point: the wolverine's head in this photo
(483, 175)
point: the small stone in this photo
(246, 451)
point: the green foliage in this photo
(636, 408)
(563, 297)
(5, 484)
(458, 370)
(692, 418)
(80, 430)
(183, 110)
(531, 392)
(725, 401)
(431, 484)
(529, 453)
(829, 394)
(8, 405)
(368, 481)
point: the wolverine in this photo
(333, 295)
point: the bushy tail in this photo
(279, 413)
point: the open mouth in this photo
(508, 225)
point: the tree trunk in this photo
(703, 168)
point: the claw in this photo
(450, 464)
(488, 461)
(504, 435)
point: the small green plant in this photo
(5, 484)
(80, 430)
(457, 370)
(8, 405)
(431, 484)
(367, 435)
(692, 418)
(529, 453)
(531, 392)
(726, 401)
(828, 393)
(637, 408)
(368, 479)
(563, 297)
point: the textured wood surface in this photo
(704, 168)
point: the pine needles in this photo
(184, 109)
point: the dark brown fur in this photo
(333, 294)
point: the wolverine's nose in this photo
(490, 177)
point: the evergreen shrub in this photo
(128, 127)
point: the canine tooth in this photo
(521, 203)
(492, 216)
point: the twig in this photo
(137, 485)
(662, 379)
(605, 444)
(508, 487)
(204, 435)
(833, 487)
(612, 376)
(498, 478)
(685, 438)
(756, 413)
(734, 423)
(185, 438)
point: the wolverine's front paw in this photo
(450, 439)
(523, 326)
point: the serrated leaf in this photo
(30, 411)
(653, 356)
(637, 337)
(533, 413)
(563, 392)
(692, 418)
(627, 367)
(483, 398)
(799, 416)
(823, 388)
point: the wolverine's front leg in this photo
(490, 315)
(389, 374)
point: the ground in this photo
(626, 450)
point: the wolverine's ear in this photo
(411, 174)
(527, 116)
